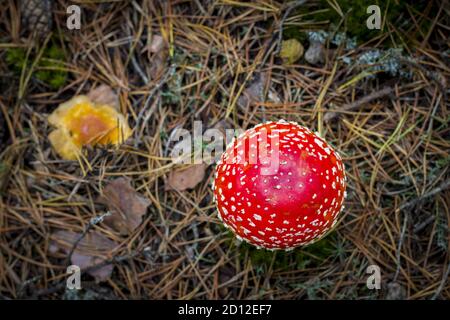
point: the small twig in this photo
(428, 73)
(441, 285)
(420, 226)
(433, 113)
(330, 115)
(444, 185)
(399, 248)
(118, 259)
(323, 92)
(144, 113)
(94, 221)
(138, 69)
(199, 5)
(279, 35)
(291, 6)
(26, 283)
(134, 61)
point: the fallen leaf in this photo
(187, 178)
(291, 50)
(159, 50)
(92, 250)
(104, 94)
(80, 122)
(127, 207)
(182, 152)
(254, 92)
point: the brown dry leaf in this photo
(104, 94)
(127, 207)
(188, 178)
(159, 50)
(92, 250)
(185, 178)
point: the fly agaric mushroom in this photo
(279, 186)
(80, 122)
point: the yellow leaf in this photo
(80, 122)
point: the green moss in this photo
(49, 69)
(355, 13)
(299, 258)
(295, 33)
(16, 58)
(317, 252)
(443, 162)
(53, 58)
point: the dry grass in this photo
(395, 147)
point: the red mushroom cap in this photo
(279, 186)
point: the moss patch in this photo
(49, 69)
(300, 258)
(355, 12)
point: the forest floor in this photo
(380, 97)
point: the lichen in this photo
(387, 61)
(336, 38)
